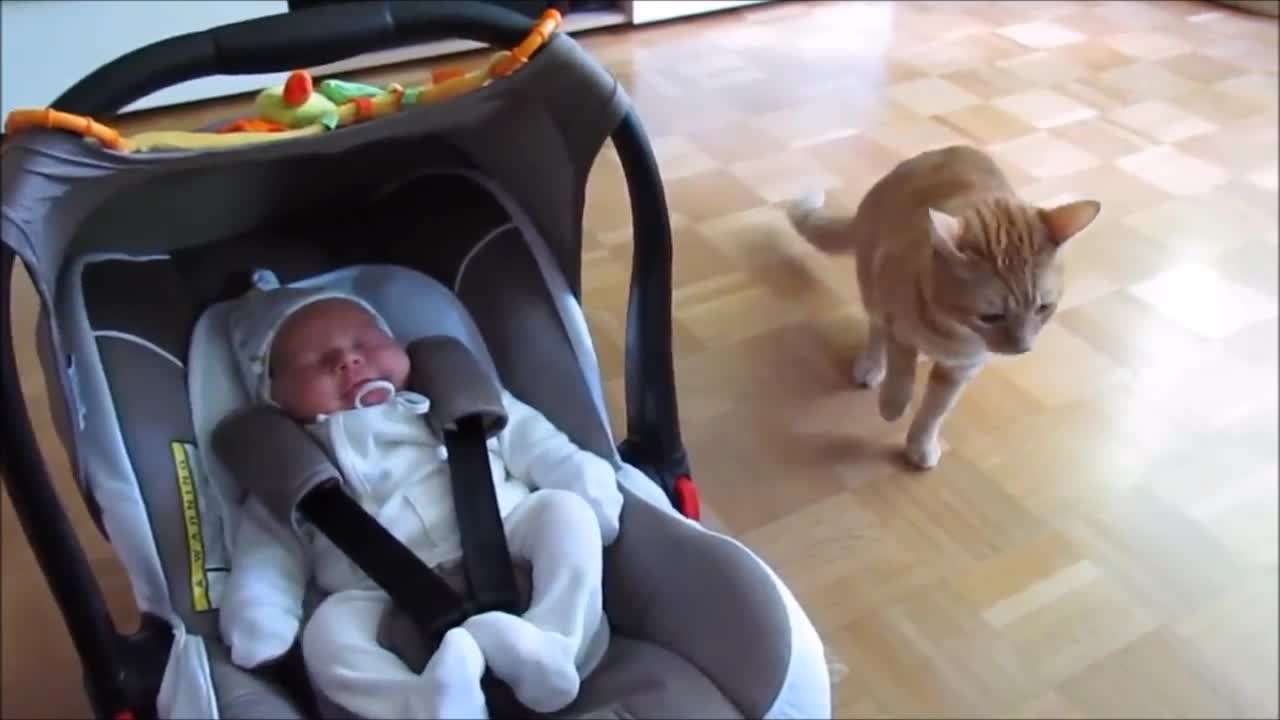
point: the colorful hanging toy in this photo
(300, 107)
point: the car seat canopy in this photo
(550, 119)
(64, 197)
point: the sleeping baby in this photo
(329, 361)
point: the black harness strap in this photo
(425, 596)
(419, 591)
(486, 559)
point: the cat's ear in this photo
(1066, 221)
(946, 232)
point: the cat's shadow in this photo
(862, 459)
(831, 424)
(782, 268)
(778, 258)
(783, 261)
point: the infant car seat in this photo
(129, 251)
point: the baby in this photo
(330, 362)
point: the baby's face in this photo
(325, 352)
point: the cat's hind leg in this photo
(868, 366)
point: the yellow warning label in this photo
(182, 459)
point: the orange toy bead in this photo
(446, 74)
(253, 125)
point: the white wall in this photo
(647, 11)
(47, 45)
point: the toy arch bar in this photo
(300, 109)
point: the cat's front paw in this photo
(924, 454)
(868, 370)
(894, 399)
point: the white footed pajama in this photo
(349, 667)
(534, 653)
(537, 653)
(560, 506)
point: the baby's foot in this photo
(452, 677)
(538, 665)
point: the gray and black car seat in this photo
(131, 253)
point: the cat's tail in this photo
(823, 229)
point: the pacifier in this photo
(374, 386)
(416, 403)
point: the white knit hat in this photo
(258, 316)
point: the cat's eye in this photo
(991, 318)
(1044, 308)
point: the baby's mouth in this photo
(355, 385)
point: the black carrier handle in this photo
(278, 43)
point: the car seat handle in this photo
(286, 41)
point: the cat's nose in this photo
(1015, 343)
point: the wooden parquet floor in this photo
(1100, 539)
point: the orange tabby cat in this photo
(950, 264)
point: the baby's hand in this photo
(541, 455)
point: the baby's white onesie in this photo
(398, 471)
